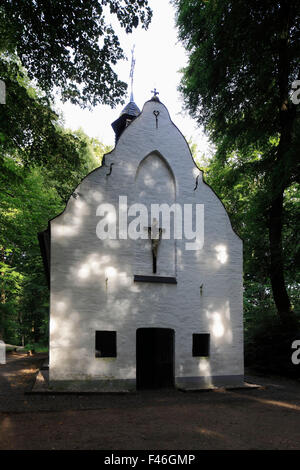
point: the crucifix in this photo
(156, 114)
(155, 233)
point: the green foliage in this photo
(28, 199)
(268, 343)
(37, 347)
(30, 129)
(41, 164)
(243, 59)
(232, 83)
(71, 45)
(72, 48)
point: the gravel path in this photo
(266, 418)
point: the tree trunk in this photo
(280, 174)
(280, 295)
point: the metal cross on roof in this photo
(155, 92)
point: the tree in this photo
(71, 45)
(48, 44)
(29, 197)
(41, 164)
(243, 60)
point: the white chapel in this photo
(145, 270)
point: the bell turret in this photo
(129, 113)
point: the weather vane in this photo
(132, 71)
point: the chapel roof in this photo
(129, 113)
(155, 98)
(131, 109)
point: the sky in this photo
(159, 57)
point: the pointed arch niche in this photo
(155, 184)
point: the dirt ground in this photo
(265, 418)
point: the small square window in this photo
(106, 344)
(201, 344)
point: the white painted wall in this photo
(92, 285)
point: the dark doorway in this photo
(154, 358)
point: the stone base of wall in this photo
(200, 383)
(104, 386)
(129, 385)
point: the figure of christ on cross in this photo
(155, 233)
